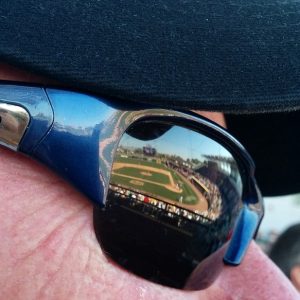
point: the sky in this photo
(180, 141)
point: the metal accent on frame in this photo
(13, 123)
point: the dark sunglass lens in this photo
(173, 198)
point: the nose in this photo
(255, 278)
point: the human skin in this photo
(295, 277)
(49, 249)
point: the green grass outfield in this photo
(151, 189)
(137, 173)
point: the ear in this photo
(295, 276)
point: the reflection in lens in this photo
(172, 201)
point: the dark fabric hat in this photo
(231, 56)
(215, 55)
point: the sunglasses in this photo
(169, 188)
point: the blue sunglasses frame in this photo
(76, 135)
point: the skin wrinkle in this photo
(49, 235)
(70, 290)
(106, 282)
(85, 265)
(41, 291)
(88, 262)
(74, 256)
(39, 209)
(14, 196)
(57, 245)
(43, 245)
(32, 225)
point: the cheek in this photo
(256, 278)
(48, 244)
(295, 277)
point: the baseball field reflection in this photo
(167, 207)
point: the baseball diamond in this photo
(158, 181)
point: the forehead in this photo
(11, 73)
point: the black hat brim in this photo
(212, 55)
